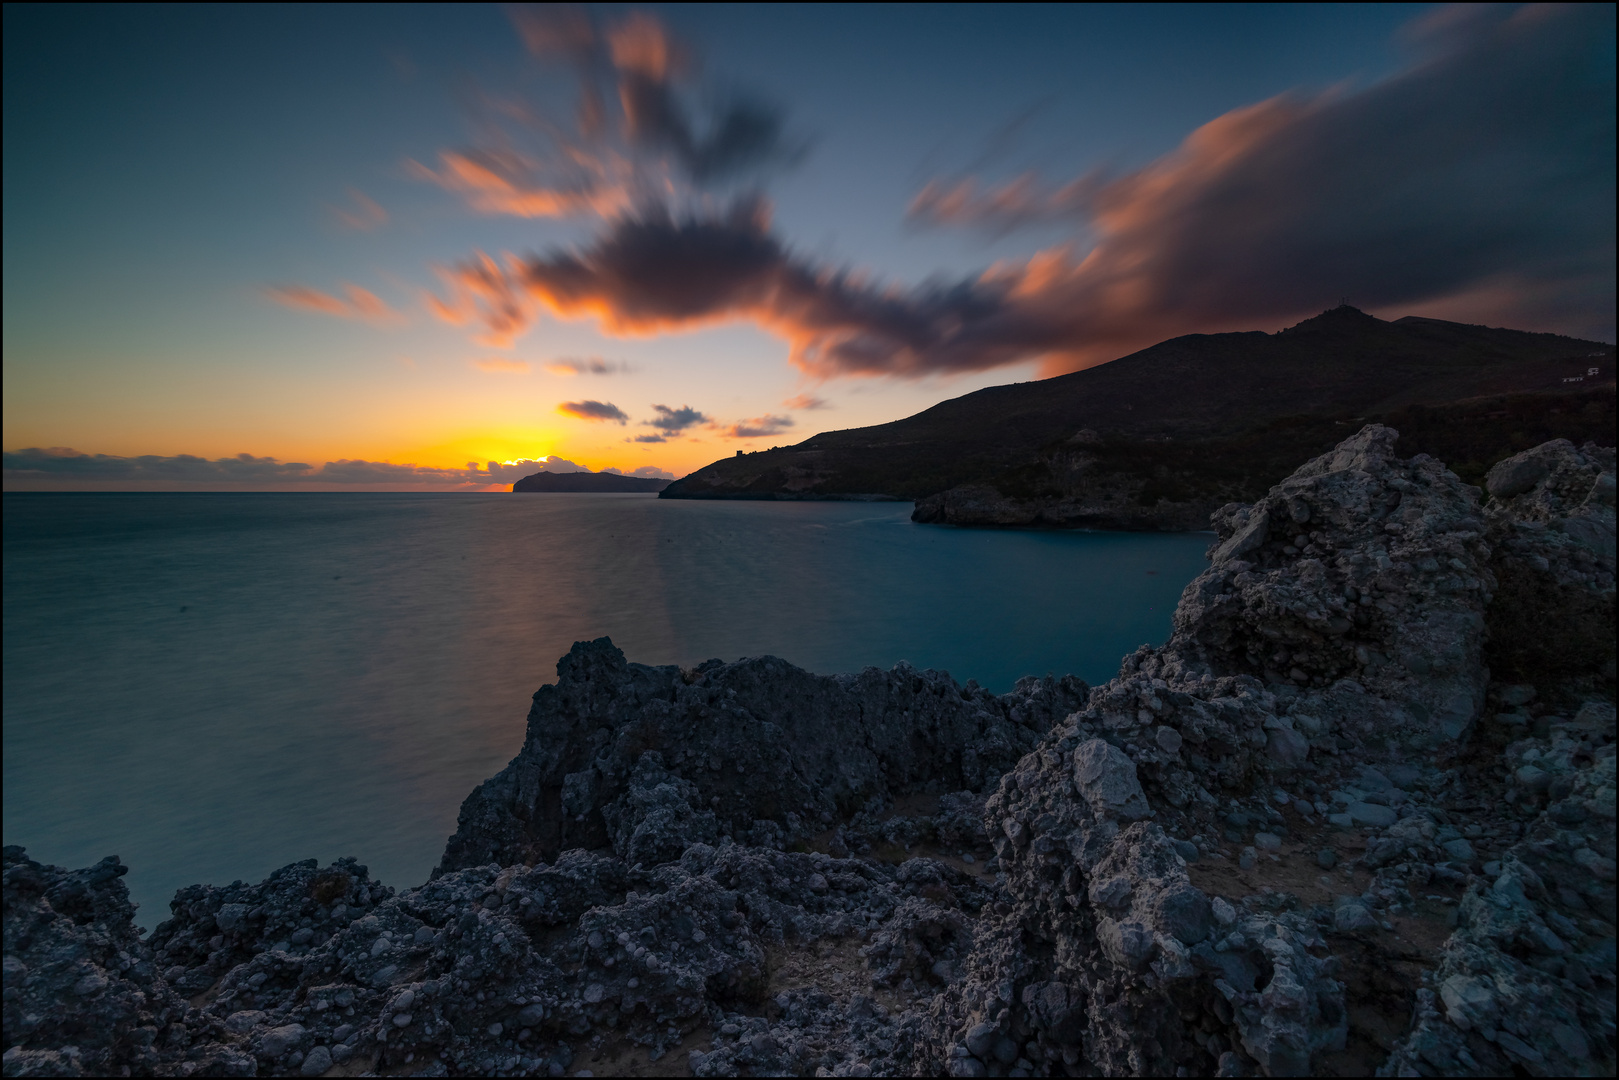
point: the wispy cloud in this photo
(592, 365)
(806, 402)
(593, 410)
(759, 427)
(356, 303)
(1481, 173)
(671, 422)
(364, 215)
(637, 132)
(501, 365)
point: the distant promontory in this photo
(589, 481)
(1163, 437)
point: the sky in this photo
(438, 248)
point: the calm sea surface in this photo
(212, 686)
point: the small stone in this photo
(1600, 867)
(231, 916)
(1516, 1046)
(1352, 916)
(1185, 912)
(1106, 777)
(1378, 817)
(1326, 858)
(981, 1038)
(90, 985)
(1572, 1041)
(402, 1020)
(1342, 821)
(1267, 841)
(279, 1040)
(495, 1029)
(1516, 694)
(594, 993)
(1468, 1000)
(1458, 849)
(244, 1021)
(1168, 740)
(1248, 859)
(1224, 913)
(1186, 850)
(1534, 778)
(1127, 944)
(1287, 748)
(316, 1064)
(1547, 940)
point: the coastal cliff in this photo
(1159, 439)
(1355, 816)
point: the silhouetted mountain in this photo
(1163, 436)
(588, 481)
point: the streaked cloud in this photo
(355, 303)
(759, 427)
(363, 215)
(591, 365)
(651, 471)
(806, 402)
(640, 131)
(501, 365)
(593, 410)
(1481, 173)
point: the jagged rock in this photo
(1551, 524)
(627, 755)
(626, 876)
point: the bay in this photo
(213, 685)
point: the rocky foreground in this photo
(1310, 834)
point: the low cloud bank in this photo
(66, 468)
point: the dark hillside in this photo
(587, 481)
(1157, 438)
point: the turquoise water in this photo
(212, 686)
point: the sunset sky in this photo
(425, 247)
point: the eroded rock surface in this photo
(649, 759)
(1312, 833)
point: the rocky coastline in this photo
(1355, 817)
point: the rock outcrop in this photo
(1313, 832)
(649, 759)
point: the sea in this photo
(211, 686)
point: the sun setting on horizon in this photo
(582, 242)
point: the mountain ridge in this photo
(1159, 438)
